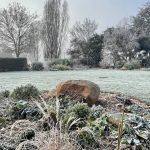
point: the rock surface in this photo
(77, 89)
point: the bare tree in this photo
(55, 25)
(15, 24)
(84, 31)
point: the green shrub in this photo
(67, 102)
(96, 112)
(81, 110)
(25, 92)
(132, 64)
(65, 62)
(13, 64)
(60, 64)
(89, 62)
(37, 66)
(75, 116)
(5, 94)
(99, 126)
(23, 110)
(106, 65)
(146, 62)
(86, 138)
(59, 67)
(4, 121)
(119, 64)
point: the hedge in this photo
(13, 64)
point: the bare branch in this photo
(15, 23)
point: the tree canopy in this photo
(55, 25)
(15, 23)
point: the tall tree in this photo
(144, 43)
(34, 36)
(15, 23)
(121, 42)
(55, 25)
(87, 52)
(76, 49)
(141, 23)
(80, 34)
(92, 50)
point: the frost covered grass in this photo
(134, 83)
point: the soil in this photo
(110, 100)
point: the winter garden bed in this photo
(39, 123)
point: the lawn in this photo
(133, 83)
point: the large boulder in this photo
(81, 90)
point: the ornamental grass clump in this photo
(58, 140)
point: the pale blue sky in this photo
(106, 12)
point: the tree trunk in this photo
(17, 55)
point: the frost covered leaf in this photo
(143, 134)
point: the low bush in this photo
(100, 126)
(84, 61)
(37, 66)
(81, 110)
(132, 64)
(5, 94)
(96, 112)
(106, 65)
(86, 138)
(60, 64)
(59, 67)
(25, 92)
(89, 62)
(65, 62)
(119, 64)
(146, 62)
(24, 110)
(4, 122)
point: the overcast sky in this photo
(106, 12)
